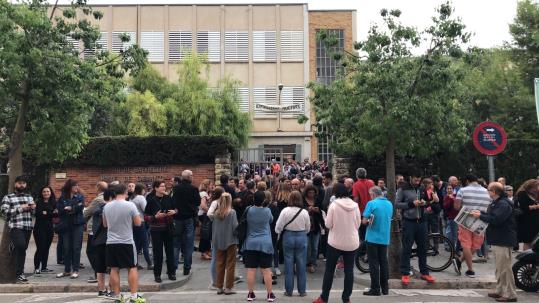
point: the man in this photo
(360, 192)
(88, 213)
(454, 181)
(377, 218)
(130, 191)
(99, 243)
(186, 201)
(501, 234)
(328, 186)
(382, 184)
(414, 227)
(399, 180)
(295, 183)
(502, 181)
(119, 216)
(474, 197)
(18, 208)
(328, 179)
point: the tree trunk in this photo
(7, 261)
(395, 244)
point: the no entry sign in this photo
(489, 138)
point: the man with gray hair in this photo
(186, 200)
(360, 192)
(377, 218)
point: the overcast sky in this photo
(487, 19)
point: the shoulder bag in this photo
(280, 236)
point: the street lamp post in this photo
(280, 86)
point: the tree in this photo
(47, 91)
(525, 44)
(392, 101)
(146, 116)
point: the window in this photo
(100, 45)
(243, 94)
(236, 46)
(293, 96)
(154, 43)
(264, 46)
(326, 67)
(292, 46)
(180, 44)
(118, 45)
(264, 95)
(73, 43)
(209, 43)
(324, 150)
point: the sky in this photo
(488, 20)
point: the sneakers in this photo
(372, 292)
(405, 280)
(37, 272)
(46, 271)
(470, 273)
(212, 287)
(271, 297)
(457, 264)
(238, 279)
(102, 293)
(277, 271)
(63, 274)
(112, 296)
(137, 299)
(251, 296)
(91, 279)
(319, 300)
(158, 279)
(427, 278)
(21, 280)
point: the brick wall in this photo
(89, 176)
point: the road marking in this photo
(438, 292)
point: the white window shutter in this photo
(264, 95)
(209, 43)
(243, 94)
(101, 45)
(73, 43)
(292, 46)
(154, 43)
(180, 45)
(293, 96)
(236, 46)
(118, 45)
(264, 46)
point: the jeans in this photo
(20, 239)
(433, 225)
(60, 248)
(413, 231)
(162, 239)
(483, 251)
(43, 235)
(141, 242)
(312, 247)
(295, 256)
(213, 265)
(378, 266)
(72, 247)
(452, 232)
(333, 255)
(184, 240)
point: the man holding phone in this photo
(18, 208)
(414, 227)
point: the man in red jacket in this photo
(360, 192)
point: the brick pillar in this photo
(222, 166)
(341, 167)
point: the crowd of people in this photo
(265, 220)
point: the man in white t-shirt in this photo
(119, 216)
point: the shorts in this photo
(121, 255)
(256, 259)
(470, 240)
(100, 256)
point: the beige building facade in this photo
(260, 45)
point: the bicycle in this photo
(437, 260)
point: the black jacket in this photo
(501, 230)
(406, 195)
(186, 200)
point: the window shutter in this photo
(265, 95)
(118, 45)
(209, 43)
(154, 43)
(73, 43)
(293, 96)
(180, 44)
(264, 46)
(236, 46)
(243, 94)
(101, 45)
(292, 46)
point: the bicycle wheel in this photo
(440, 252)
(362, 263)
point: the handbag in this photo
(205, 228)
(241, 230)
(280, 236)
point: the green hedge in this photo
(159, 150)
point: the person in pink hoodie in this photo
(343, 221)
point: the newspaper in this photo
(466, 220)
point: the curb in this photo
(456, 283)
(85, 287)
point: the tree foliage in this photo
(525, 44)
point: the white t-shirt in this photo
(203, 197)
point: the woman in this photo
(343, 222)
(451, 230)
(225, 243)
(432, 212)
(140, 233)
(159, 213)
(275, 211)
(43, 231)
(70, 206)
(317, 223)
(292, 226)
(257, 248)
(204, 246)
(527, 198)
(217, 192)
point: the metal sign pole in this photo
(491, 174)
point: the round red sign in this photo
(489, 138)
